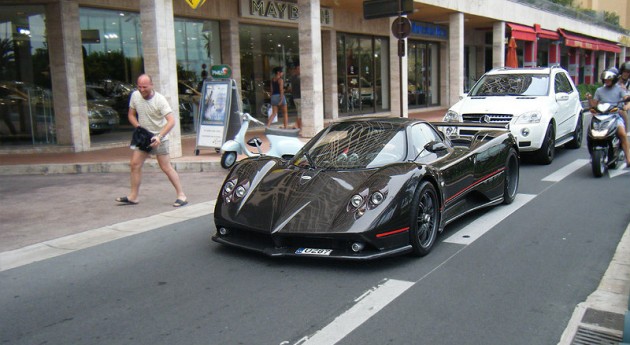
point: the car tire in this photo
(548, 150)
(598, 163)
(576, 143)
(425, 219)
(228, 159)
(510, 184)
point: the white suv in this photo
(541, 106)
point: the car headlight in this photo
(229, 187)
(530, 117)
(356, 201)
(240, 191)
(452, 116)
(377, 198)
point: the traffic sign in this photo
(401, 27)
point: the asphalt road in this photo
(517, 282)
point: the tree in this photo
(7, 59)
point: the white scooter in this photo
(284, 143)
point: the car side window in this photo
(422, 134)
(562, 83)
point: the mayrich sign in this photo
(195, 3)
(279, 11)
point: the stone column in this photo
(530, 56)
(456, 57)
(67, 76)
(498, 44)
(331, 87)
(160, 61)
(554, 54)
(601, 62)
(589, 66)
(231, 50)
(311, 79)
(574, 61)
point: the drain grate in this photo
(587, 336)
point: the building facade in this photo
(67, 66)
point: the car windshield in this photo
(512, 85)
(355, 145)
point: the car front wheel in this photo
(548, 150)
(510, 185)
(425, 219)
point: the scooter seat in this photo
(283, 132)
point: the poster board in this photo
(217, 106)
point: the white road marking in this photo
(483, 224)
(370, 303)
(566, 170)
(68, 244)
(620, 170)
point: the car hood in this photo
(291, 200)
(498, 104)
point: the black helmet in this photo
(610, 74)
(625, 67)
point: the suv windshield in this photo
(355, 145)
(512, 85)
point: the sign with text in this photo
(280, 11)
(220, 72)
(213, 113)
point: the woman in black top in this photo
(277, 97)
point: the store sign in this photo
(279, 11)
(220, 72)
(429, 30)
(194, 4)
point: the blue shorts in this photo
(275, 100)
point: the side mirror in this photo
(435, 146)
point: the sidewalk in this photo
(116, 159)
(55, 203)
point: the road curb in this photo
(107, 167)
(601, 316)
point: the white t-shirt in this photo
(151, 112)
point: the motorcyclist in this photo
(612, 92)
(624, 75)
(624, 82)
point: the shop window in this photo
(262, 49)
(362, 74)
(422, 78)
(26, 104)
(112, 60)
(198, 47)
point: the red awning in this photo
(579, 41)
(522, 32)
(548, 34)
(609, 47)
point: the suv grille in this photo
(487, 118)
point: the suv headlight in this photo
(531, 117)
(452, 116)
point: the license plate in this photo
(112, 121)
(313, 251)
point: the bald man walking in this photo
(150, 110)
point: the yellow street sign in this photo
(195, 3)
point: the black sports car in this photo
(366, 188)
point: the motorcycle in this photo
(603, 144)
(284, 143)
